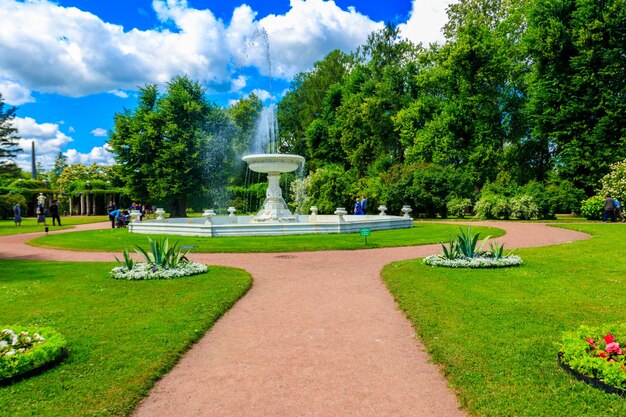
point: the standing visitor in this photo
(357, 207)
(41, 215)
(17, 214)
(54, 212)
(609, 208)
(111, 207)
(363, 204)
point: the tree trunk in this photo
(178, 207)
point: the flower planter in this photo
(594, 382)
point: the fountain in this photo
(274, 218)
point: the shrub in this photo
(593, 208)
(459, 206)
(545, 206)
(331, 187)
(24, 350)
(524, 207)
(596, 353)
(8, 201)
(614, 182)
(492, 207)
(564, 196)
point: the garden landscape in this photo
(429, 229)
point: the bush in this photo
(492, 207)
(524, 207)
(593, 208)
(564, 196)
(545, 206)
(331, 187)
(8, 201)
(614, 182)
(38, 355)
(459, 206)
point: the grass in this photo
(29, 224)
(494, 331)
(122, 335)
(118, 239)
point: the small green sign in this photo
(364, 232)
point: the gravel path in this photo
(318, 334)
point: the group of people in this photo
(121, 218)
(612, 208)
(53, 211)
(360, 206)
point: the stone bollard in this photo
(208, 216)
(159, 213)
(406, 209)
(382, 210)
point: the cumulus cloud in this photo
(14, 93)
(49, 141)
(262, 94)
(426, 21)
(54, 49)
(119, 93)
(100, 132)
(98, 155)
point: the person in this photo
(363, 204)
(17, 214)
(114, 215)
(618, 210)
(54, 212)
(110, 208)
(41, 215)
(609, 208)
(357, 207)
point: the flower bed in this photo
(25, 351)
(475, 262)
(595, 356)
(151, 271)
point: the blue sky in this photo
(70, 65)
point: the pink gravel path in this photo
(318, 334)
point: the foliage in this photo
(23, 350)
(8, 135)
(593, 208)
(129, 263)
(596, 353)
(176, 139)
(524, 207)
(564, 196)
(8, 201)
(492, 207)
(145, 271)
(163, 254)
(614, 182)
(331, 187)
(458, 206)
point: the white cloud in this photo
(71, 129)
(49, 141)
(14, 93)
(100, 132)
(262, 94)
(98, 155)
(426, 21)
(54, 49)
(119, 93)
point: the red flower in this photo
(602, 355)
(590, 341)
(609, 338)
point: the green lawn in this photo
(494, 331)
(118, 239)
(29, 224)
(122, 335)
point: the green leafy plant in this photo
(452, 250)
(596, 353)
(129, 263)
(593, 208)
(497, 251)
(25, 350)
(163, 254)
(468, 243)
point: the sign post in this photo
(365, 233)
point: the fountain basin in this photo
(245, 225)
(273, 162)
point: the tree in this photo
(162, 145)
(8, 136)
(578, 49)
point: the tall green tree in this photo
(8, 136)
(161, 145)
(578, 86)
